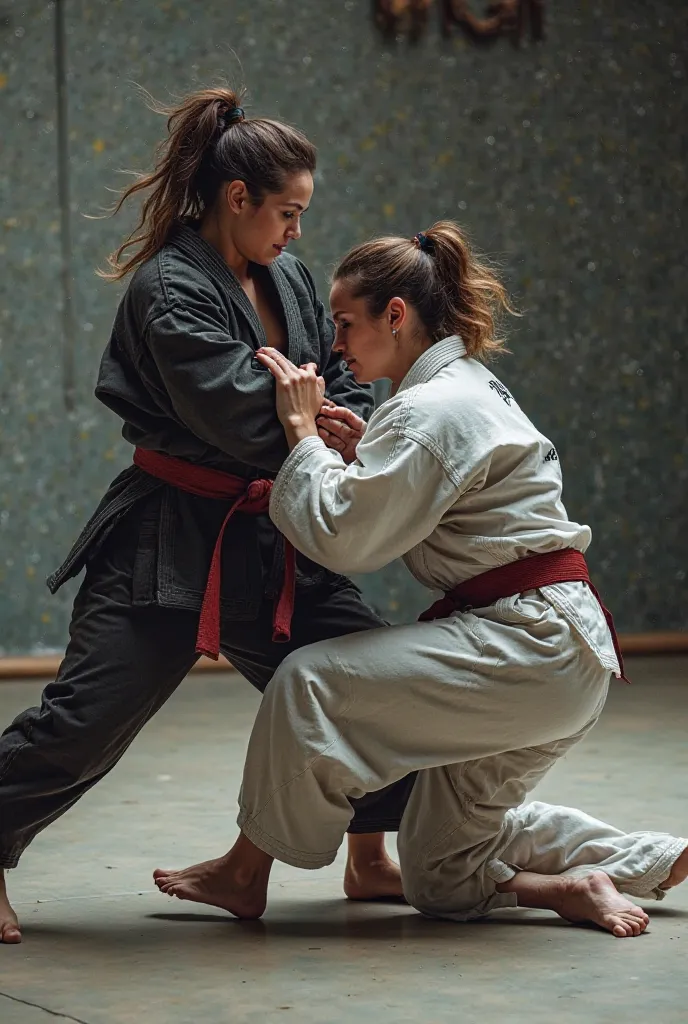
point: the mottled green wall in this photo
(567, 160)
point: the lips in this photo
(280, 248)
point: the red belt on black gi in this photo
(567, 566)
(250, 496)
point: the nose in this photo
(338, 345)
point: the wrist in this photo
(297, 420)
(296, 428)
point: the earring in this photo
(395, 331)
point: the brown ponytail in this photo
(208, 142)
(451, 290)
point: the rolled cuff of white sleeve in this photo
(302, 451)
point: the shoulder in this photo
(169, 280)
(464, 414)
(467, 395)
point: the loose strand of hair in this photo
(177, 160)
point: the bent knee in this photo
(307, 680)
(446, 894)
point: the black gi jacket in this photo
(180, 370)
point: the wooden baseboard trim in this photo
(44, 666)
(652, 643)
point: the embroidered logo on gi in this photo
(501, 391)
(551, 455)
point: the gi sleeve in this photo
(216, 386)
(357, 518)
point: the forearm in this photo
(296, 429)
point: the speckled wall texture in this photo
(567, 160)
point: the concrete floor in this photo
(103, 947)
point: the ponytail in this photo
(451, 290)
(209, 141)
(474, 296)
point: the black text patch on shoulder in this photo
(501, 391)
(551, 455)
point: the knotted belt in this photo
(250, 497)
(531, 573)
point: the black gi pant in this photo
(122, 663)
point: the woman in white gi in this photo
(482, 700)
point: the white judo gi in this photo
(454, 477)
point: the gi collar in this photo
(433, 360)
(187, 240)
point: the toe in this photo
(10, 934)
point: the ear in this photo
(236, 195)
(397, 313)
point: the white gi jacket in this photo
(452, 476)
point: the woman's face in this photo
(366, 343)
(261, 233)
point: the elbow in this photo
(343, 551)
(346, 561)
(336, 563)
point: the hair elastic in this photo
(235, 115)
(422, 242)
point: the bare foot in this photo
(237, 882)
(594, 899)
(373, 880)
(9, 923)
(679, 872)
(217, 883)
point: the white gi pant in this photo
(482, 704)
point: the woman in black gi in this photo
(211, 285)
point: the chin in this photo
(263, 259)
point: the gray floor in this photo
(101, 946)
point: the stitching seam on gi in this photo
(295, 777)
(565, 608)
(396, 429)
(312, 761)
(658, 872)
(9, 761)
(467, 805)
(247, 824)
(162, 278)
(297, 455)
(442, 835)
(420, 437)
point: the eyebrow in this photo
(337, 314)
(297, 205)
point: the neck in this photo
(406, 360)
(211, 231)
